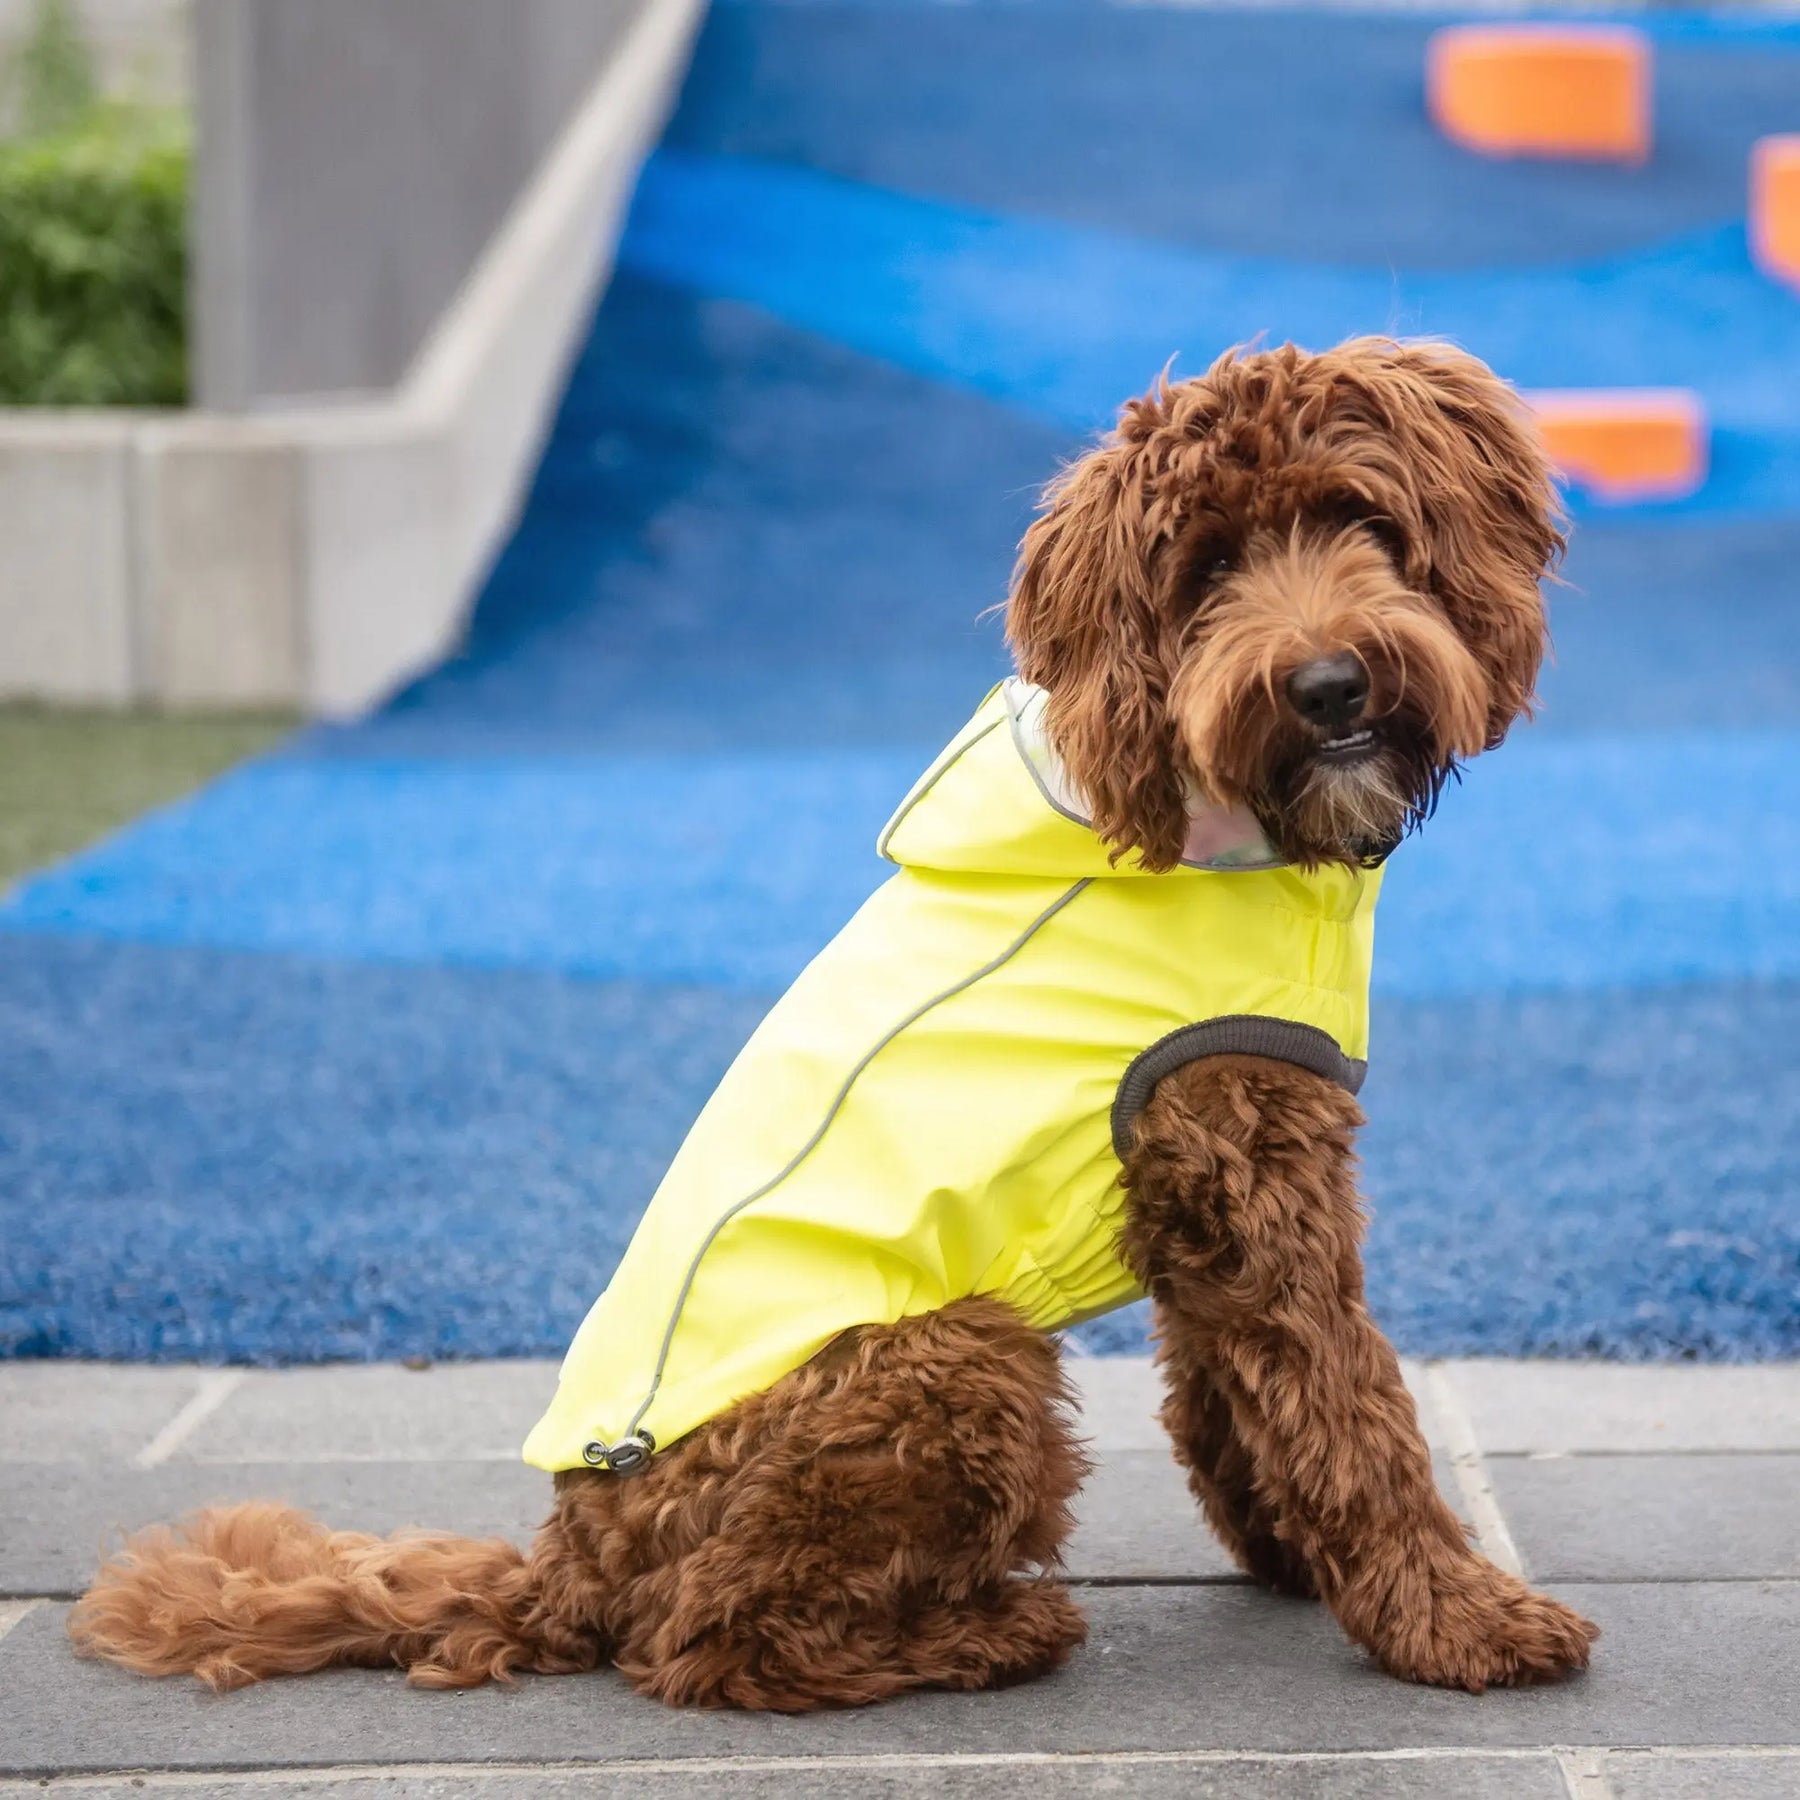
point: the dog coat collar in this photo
(1218, 837)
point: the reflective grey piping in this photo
(1050, 800)
(931, 779)
(1237, 1034)
(831, 1112)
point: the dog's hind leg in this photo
(872, 1524)
(1221, 1472)
(875, 1522)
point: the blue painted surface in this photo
(378, 1046)
(741, 536)
(1571, 863)
(1300, 136)
(1066, 321)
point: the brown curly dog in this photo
(1303, 584)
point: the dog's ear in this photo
(1084, 624)
(1489, 513)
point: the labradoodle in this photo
(1257, 629)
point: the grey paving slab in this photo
(1647, 1775)
(1470, 1777)
(1119, 1400)
(1135, 1518)
(1549, 1406)
(1169, 1668)
(1121, 1394)
(379, 1412)
(74, 1412)
(57, 1522)
(77, 1412)
(1135, 1521)
(1655, 1518)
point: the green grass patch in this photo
(70, 775)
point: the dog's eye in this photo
(1387, 534)
(1204, 573)
(1381, 528)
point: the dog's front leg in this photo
(1222, 1474)
(1243, 1221)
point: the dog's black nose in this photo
(1330, 691)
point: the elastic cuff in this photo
(1238, 1034)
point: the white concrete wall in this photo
(323, 555)
(68, 616)
(354, 156)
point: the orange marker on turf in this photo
(1580, 91)
(1625, 444)
(1775, 207)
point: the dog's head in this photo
(1305, 584)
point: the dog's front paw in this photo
(1482, 1628)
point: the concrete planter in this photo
(320, 555)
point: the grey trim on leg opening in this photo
(1238, 1034)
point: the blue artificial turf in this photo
(1065, 321)
(377, 1047)
(262, 1158)
(265, 1158)
(1566, 863)
(1300, 136)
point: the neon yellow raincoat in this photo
(938, 1105)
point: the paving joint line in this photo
(146, 1775)
(332, 1459)
(1649, 1453)
(234, 1774)
(216, 1386)
(1584, 1774)
(1492, 1534)
(13, 1612)
(1131, 1583)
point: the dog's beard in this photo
(1316, 804)
(1317, 809)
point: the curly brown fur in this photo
(880, 1519)
(876, 1522)
(1285, 1400)
(239, 1593)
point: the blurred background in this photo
(498, 502)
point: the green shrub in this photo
(93, 263)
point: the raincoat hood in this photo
(998, 801)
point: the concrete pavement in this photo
(1664, 1501)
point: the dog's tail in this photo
(238, 1593)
